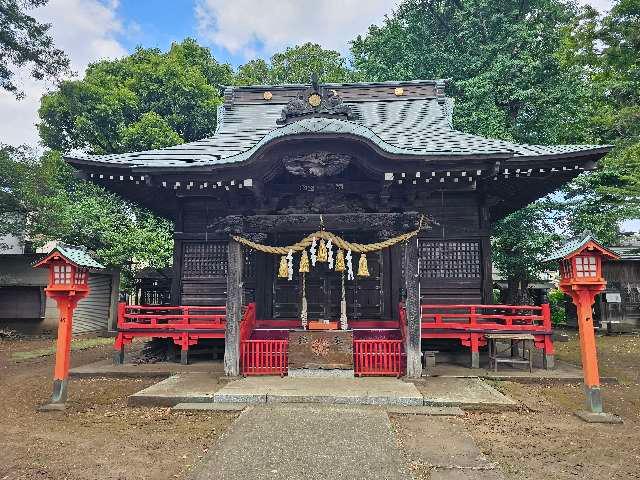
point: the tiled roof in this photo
(574, 245)
(413, 126)
(77, 255)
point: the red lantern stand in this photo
(581, 279)
(68, 284)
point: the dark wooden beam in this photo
(234, 310)
(356, 222)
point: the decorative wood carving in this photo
(315, 101)
(316, 164)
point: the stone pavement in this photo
(294, 441)
(317, 441)
(361, 391)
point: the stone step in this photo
(219, 407)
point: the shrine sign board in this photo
(321, 350)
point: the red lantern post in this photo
(581, 279)
(68, 284)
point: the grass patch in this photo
(79, 344)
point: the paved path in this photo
(307, 442)
(314, 441)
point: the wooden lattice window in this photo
(449, 259)
(202, 260)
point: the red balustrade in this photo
(185, 325)
(470, 323)
(263, 357)
(378, 357)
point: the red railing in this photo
(482, 318)
(377, 357)
(185, 325)
(263, 357)
(470, 323)
(260, 356)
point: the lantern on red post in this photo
(68, 284)
(581, 278)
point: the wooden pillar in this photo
(234, 309)
(412, 304)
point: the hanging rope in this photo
(336, 240)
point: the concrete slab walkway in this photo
(361, 391)
(466, 393)
(285, 441)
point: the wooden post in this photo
(412, 283)
(234, 310)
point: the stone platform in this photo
(205, 388)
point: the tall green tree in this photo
(26, 42)
(520, 243)
(607, 49)
(296, 65)
(150, 99)
(501, 57)
(41, 199)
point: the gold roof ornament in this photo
(315, 100)
(399, 91)
(267, 95)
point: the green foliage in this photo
(556, 302)
(608, 51)
(520, 243)
(26, 42)
(296, 65)
(54, 205)
(501, 57)
(147, 100)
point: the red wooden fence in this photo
(185, 325)
(378, 357)
(263, 357)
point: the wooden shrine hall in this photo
(371, 175)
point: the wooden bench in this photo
(516, 340)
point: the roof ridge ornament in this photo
(315, 101)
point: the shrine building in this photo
(353, 208)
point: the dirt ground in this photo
(98, 437)
(544, 440)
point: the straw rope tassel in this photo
(363, 268)
(282, 271)
(322, 251)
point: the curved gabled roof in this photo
(414, 124)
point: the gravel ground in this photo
(98, 437)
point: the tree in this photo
(41, 199)
(147, 100)
(501, 57)
(520, 243)
(26, 42)
(296, 65)
(608, 52)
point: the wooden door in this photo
(365, 295)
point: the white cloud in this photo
(86, 30)
(255, 27)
